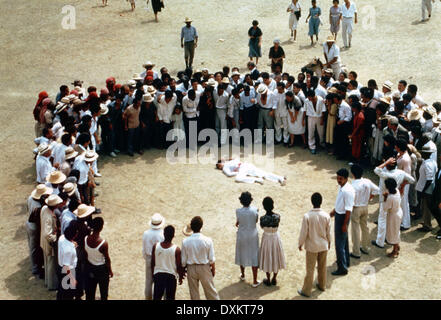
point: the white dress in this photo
(178, 126)
(292, 17)
(296, 127)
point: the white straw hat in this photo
(56, 177)
(84, 210)
(53, 200)
(157, 221)
(40, 190)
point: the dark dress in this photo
(273, 54)
(157, 5)
(255, 50)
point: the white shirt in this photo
(221, 100)
(320, 91)
(190, 106)
(344, 112)
(273, 85)
(364, 188)
(355, 92)
(318, 111)
(419, 101)
(294, 7)
(279, 103)
(197, 249)
(245, 101)
(348, 13)
(44, 167)
(81, 165)
(59, 153)
(233, 105)
(345, 199)
(428, 171)
(165, 110)
(398, 175)
(378, 94)
(67, 255)
(269, 100)
(334, 52)
(149, 239)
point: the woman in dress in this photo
(247, 238)
(178, 123)
(314, 21)
(296, 120)
(335, 14)
(276, 54)
(295, 12)
(271, 256)
(332, 119)
(255, 42)
(392, 205)
(157, 5)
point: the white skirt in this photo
(293, 22)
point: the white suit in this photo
(281, 117)
(248, 173)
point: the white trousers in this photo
(336, 68)
(221, 124)
(248, 173)
(382, 222)
(405, 222)
(313, 123)
(426, 5)
(279, 122)
(347, 26)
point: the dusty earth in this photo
(38, 54)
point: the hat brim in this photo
(157, 226)
(73, 155)
(85, 214)
(91, 159)
(187, 233)
(48, 191)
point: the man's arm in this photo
(181, 271)
(153, 258)
(303, 232)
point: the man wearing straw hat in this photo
(332, 55)
(34, 205)
(43, 163)
(48, 240)
(148, 66)
(54, 179)
(189, 41)
(150, 237)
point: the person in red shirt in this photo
(358, 133)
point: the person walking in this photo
(166, 266)
(344, 205)
(276, 55)
(157, 5)
(247, 238)
(335, 15)
(255, 42)
(426, 5)
(314, 21)
(271, 254)
(197, 256)
(295, 13)
(99, 267)
(189, 41)
(315, 236)
(349, 16)
(150, 237)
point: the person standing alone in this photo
(349, 14)
(189, 41)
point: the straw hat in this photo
(211, 82)
(65, 99)
(187, 230)
(70, 153)
(53, 200)
(157, 221)
(396, 95)
(69, 188)
(329, 70)
(147, 98)
(415, 114)
(104, 110)
(40, 190)
(137, 77)
(43, 148)
(332, 90)
(60, 106)
(148, 64)
(427, 149)
(151, 90)
(225, 80)
(262, 89)
(131, 83)
(187, 20)
(84, 210)
(430, 110)
(330, 39)
(386, 100)
(56, 177)
(388, 84)
(90, 156)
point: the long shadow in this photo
(24, 286)
(429, 245)
(417, 22)
(27, 175)
(148, 21)
(236, 291)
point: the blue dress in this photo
(247, 241)
(314, 23)
(255, 50)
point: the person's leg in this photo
(91, 283)
(405, 223)
(52, 283)
(427, 215)
(340, 242)
(311, 258)
(193, 282)
(311, 132)
(344, 31)
(254, 269)
(170, 288)
(103, 281)
(259, 125)
(321, 269)
(278, 127)
(349, 31)
(31, 230)
(159, 285)
(423, 10)
(285, 129)
(223, 126)
(295, 35)
(130, 141)
(191, 54)
(186, 53)
(364, 228)
(381, 233)
(355, 232)
(148, 278)
(321, 132)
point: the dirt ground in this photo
(38, 54)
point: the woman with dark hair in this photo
(389, 147)
(247, 238)
(99, 268)
(271, 256)
(358, 133)
(392, 205)
(314, 21)
(255, 42)
(207, 109)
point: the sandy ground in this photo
(37, 54)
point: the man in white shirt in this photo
(384, 171)
(191, 114)
(150, 237)
(67, 262)
(349, 16)
(197, 255)
(59, 151)
(221, 98)
(268, 81)
(248, 108)
(344, 205)
(234, 108)
(265, 102)
(332, 55)
(416, 99)
(315, 109)
(425, 186)
(166, 105)
(315, 235)
(353, 89)
(43, 164)
(281, 114)
(247, 172)
(365, 190)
